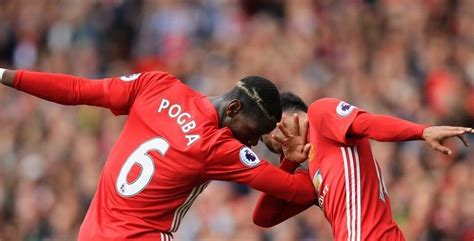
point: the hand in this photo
(293, 139)
(435, 135)
(8, 77)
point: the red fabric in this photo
(114, 93)
(224, 163)
(385, 128)
(264, 214)
(346, 177)
(172, 133)
(288, 166)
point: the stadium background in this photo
(409, 58)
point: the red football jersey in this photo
(348, 180)
(170, 148)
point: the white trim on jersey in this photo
(166, 237)
(183, 209)
(353, 192)
(346, 181)
(359, 193)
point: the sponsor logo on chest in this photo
(183, 119)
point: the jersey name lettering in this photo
(183, 119)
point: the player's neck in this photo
(219, 104)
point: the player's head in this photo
(252, 109)
(290, 104)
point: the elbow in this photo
(262, 220)
(262, 223)
(305, 194)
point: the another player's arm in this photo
(338, 121)
(270, 211)
(389, 128)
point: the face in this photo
(246, 128)
(287, 118)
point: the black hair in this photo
(259, 96)
(290, 101)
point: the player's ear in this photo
(234, 107)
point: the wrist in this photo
(289, 166)
(421, 132)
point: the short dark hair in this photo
(290, 101)
(258, 95)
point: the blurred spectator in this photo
(411, 58)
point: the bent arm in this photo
(385, 128)
(270, 211)
(296, 188)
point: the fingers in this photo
(278, 139)
(283, 129)
(296, 124)
(465, 129)
(304, 128)
(306, 149)
(437, 146)
(451, 132)
(463, 139)
(460, 129)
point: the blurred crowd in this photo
(410, 58)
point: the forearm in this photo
(385, 128)
(62, 89)
(270, 210)
(288, 166)
(296, 187)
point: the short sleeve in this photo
(230, 160)
(122, 91)
(331, 118)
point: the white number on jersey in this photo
(141, 157)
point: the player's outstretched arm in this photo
(388, 128)
(117, 93)
(59, 88)
(435, 136)
(384, 128)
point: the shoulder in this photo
(220, 140)
(322, 105)
(226, 151)
(331, 105)
(324, 102)
(160, 76)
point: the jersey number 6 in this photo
(141, 157)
